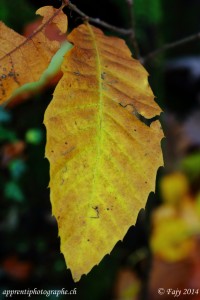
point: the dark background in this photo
(29, 253)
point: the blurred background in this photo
(163, 249)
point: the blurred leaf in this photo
(12, 151)
(191, 166)
(137, 256)
(7, 135)
(13, 191)
(17, 168)
(34, 136)
(17, 269)
(176, 224)
(171, 239)
(127, 285)
(180, 275)
(174, 187)
(5, 116)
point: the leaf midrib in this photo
(100, 114)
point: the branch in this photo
(32, 35)
(97, 21)
(170, 46)
(128, 32)
(133, 39)
(131, 31)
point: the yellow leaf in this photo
(23, 60)
(172, 239)
(103, 159)
(176, 224)
(174, 188)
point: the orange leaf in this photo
(17, 269)
(127, 285)
(23, 60)
(11, 151)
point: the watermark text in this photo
(34, 292)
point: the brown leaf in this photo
(15, 268)
(127, 285)
(51, 31)
(11, 151)
(184, 274)
(23, 60)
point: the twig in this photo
(32, 35)
(128, 32)
(133, 39)
(131, 32)
(97, 21)
(170, 46)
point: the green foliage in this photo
(148, 11)
(34, 136)
(7, 134)
(191, 166)
(4, 115)
(13, 191)
(17, 168)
